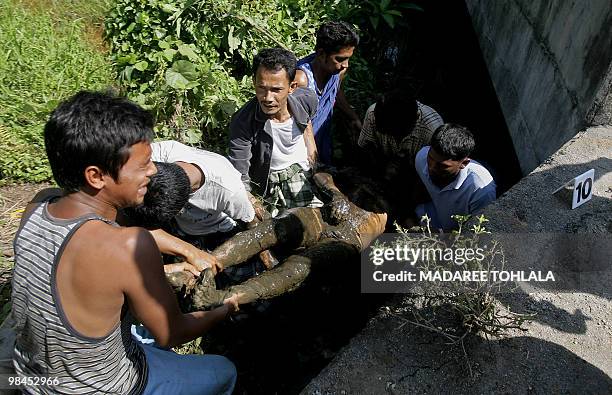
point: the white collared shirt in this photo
(472, 190)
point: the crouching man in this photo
(455, 184)
(79, 278)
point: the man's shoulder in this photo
(244, 116)
(306, 99)
(421, 156)
(479, 175)
(222, 172)
(120, 241)
(306, 60)
(429, 117)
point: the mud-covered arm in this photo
(339, 204)
(136, 271)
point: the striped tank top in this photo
(46, 343)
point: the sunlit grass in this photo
(49, 50)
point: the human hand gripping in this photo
(233, 303)
(202, 260)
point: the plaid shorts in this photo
(289, 188)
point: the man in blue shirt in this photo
(455, 183)
(322, 72)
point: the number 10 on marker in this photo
(583, 188)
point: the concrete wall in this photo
(550, 62)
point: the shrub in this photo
(189, 61)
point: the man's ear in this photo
(320, 53)
(293, 86)
(465, 162)
(254, 82)
(95, 178)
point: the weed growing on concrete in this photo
(457, 309)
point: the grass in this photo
(49, 50)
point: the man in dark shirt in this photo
(271, 139)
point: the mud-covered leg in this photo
(284, 278)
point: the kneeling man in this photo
(80, 279)
(456, 184)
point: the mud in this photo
(295, 229)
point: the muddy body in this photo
(295, 228)
(337, 232)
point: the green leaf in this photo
(186, 50)
(181, 74)
(374, 21)
(169, 54)
(384, 4)
(186, 69)
(228, 107)
(389, 19)
(394, 12)
(176, 80)
(411, 6)
(193, 136)
(141, 66)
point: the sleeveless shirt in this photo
(321, 122)
(46, 343)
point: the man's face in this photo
(337, 62)
(443, 170)
(131, 185)
(272, 88)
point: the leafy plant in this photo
(189, 60)
(474, 303)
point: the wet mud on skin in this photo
(301, 227)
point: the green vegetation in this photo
(188, 61)
(50, 50)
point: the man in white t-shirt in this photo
(218, 198)
(456, 184)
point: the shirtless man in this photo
(79, 278)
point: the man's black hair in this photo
(276, 59)
(396, 113)
(167, 194)
(93, 129)
(453, 141)
(335, 35)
